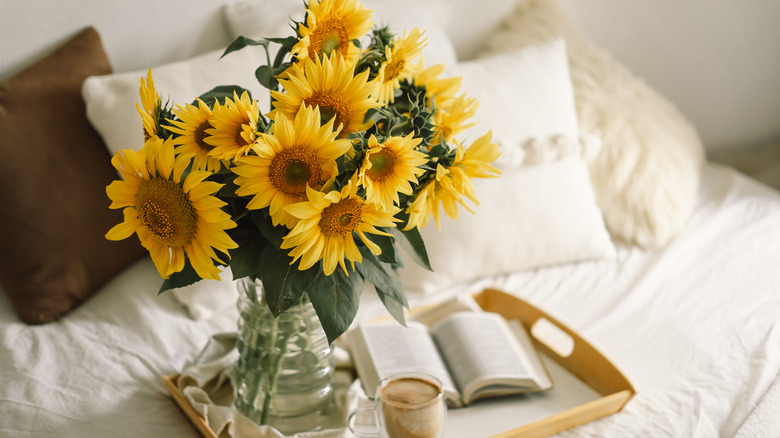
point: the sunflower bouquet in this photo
(320, 195)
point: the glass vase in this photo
(284, 372)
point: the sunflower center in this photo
(293, 169)
(382, 165)
(329, 35)
(166, 211)
(331, 106)
(394, 69)
(200, 135)
(239, 137)
(341, 218)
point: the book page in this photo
(534, 360)
(395, 348)
(480, 346)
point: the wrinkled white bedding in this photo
(695, 327)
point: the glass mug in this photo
(407, 405)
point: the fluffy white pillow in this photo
(541, 210)
(251, 18)
(646, 177)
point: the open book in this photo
(474, 354)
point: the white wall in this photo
(718, 60)
(137, 34)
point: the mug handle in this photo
(363, 431)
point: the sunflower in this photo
(152, 104)
(191, 129)
(292, 156)
(451, 184)
(332, 86)
(327, 225)
(330, 27)
(171, 216)
(439, 91)
(452, 120)
(234, 127)
(398, 65)
(389, 168)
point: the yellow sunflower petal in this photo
(121, 194)
(122, 230)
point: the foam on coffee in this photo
(410, 391)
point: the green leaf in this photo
(285, 42)
(383, 277)
(335, 298)
(283, 282)
(387, 245)
(245, 260)
(412, 243)
(265, 74)
(241, 42)
(393, 307)
(221, 92)
(185, 277)
(262, 221)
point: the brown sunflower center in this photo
(200, 135)
(341, 218)
(394, 69)
(240, 138)
(331, 106)
(329, 35)
(293, 169)
(166, 211)
(382, 164)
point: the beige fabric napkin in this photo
(207, 383)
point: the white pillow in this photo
(646, 177)
(522, 94)
(111, 99)
(251, 18)
(541, 210)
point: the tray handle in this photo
(558, 342)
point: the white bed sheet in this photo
(695, 327)
(96, 372)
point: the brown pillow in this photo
(54, 169)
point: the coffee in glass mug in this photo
(408, 405)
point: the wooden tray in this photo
(581, 360)
(197, 421)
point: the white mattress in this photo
(695, 327)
